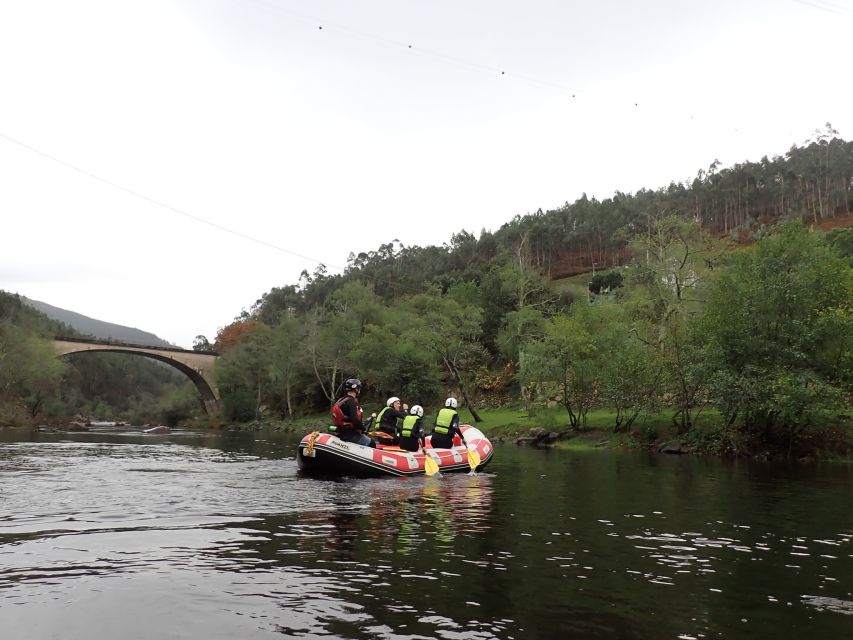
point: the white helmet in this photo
(392, 400)
(451, 402)
(417, 410)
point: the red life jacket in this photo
(339, 419)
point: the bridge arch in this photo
(196, 365)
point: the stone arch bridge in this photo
(196, 365)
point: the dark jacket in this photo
(390, 420)
(352, 412)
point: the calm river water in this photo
(118, 535)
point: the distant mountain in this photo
(97, 328)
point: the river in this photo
(117, 534)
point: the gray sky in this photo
(306, 143)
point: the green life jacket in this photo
(409, 423)
(444, 420)
(379, 417)
(379, 424)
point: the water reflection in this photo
(363, 561)
(394, 516)
(222, 538)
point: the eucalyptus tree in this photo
(243, 374)
(628, 373)
(279, 301)
(329, 339)
(532, 298)
(674, 266)
(450, 331)
(333, 330)
(287, 357)
(560, 365)
(394, 365)
(201, 343)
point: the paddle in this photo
(381, 435)
(430, 466)
(473, 456)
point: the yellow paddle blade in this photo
(430, 465)
(473, 459)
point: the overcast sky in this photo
(165, 163)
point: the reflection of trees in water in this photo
(373, 518)
(406, 516)
(418, 513)
(349, 561)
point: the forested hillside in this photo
(87, 326)
(722, 295)
(484, 317)
(35, 384)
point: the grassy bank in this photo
(832, 440)
(599, 429)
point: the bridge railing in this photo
(116, 343)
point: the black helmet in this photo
(352, 383)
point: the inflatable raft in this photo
(326, 454)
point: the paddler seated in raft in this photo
(446, 425)
(412, 432)
(390, 419)
(347, 414)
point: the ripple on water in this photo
(225, 544)
(836, 605)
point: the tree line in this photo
(485, 316)
(761, 335)
(713, 295)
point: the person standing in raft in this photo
(389, 419)
(347, 413)
(446, 426)
(412, 432)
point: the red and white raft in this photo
(326, 454)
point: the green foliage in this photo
(519, 328)
(466, 316)
(16, 312)
(113, 381)
(675, 264)
(201, 343)
(561, 364)
(34, 383)
(629, 370)
(496, 300)
(397, 366)
(30, 374)
(243, 371)
(606, 282)
(842, 241)
(286, 361)
(778, 330)
(238, 405)
(179, 405)
(449, 331)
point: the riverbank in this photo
(832, 440)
